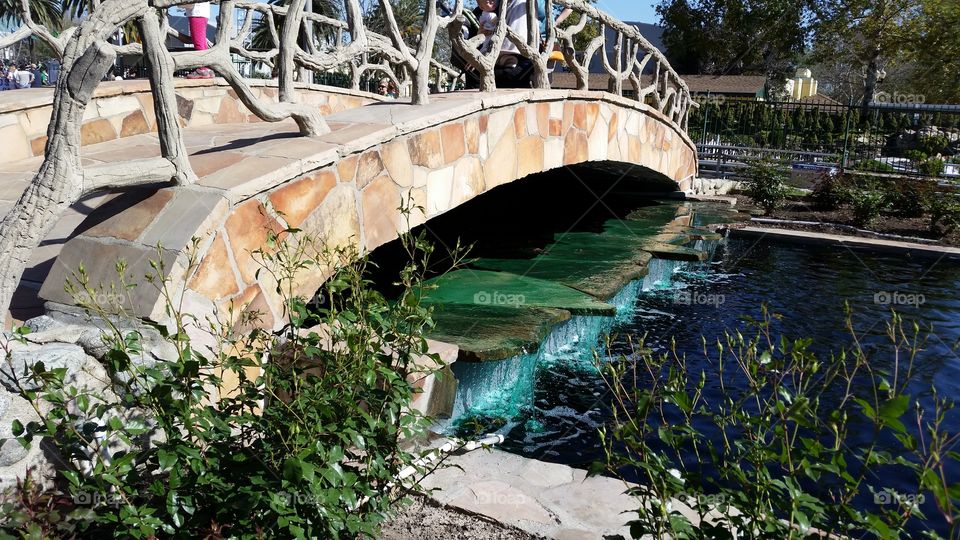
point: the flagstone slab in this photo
(546, 499)
(489, 333)
(468, 287)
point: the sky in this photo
(630, 10)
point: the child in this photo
(488, 20)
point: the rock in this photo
(82, 370)
(89, 335)
(42, 323)
(13, 407)
(15, 460)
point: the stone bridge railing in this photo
(344, 43)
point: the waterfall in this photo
(500, 388)
(504, 389)
(660, 274)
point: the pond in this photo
(550, 404)
(807, 285)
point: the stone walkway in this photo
(227, 153)
(243, 158)
(545, 499)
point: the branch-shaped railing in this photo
(346, 44)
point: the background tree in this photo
(736, 37)
(408, 14)
(46, 12)
(934, 50)
(260, 38)
(866, 34)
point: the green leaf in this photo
(71, 477)
(166, 460)
(891, 410)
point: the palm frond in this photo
(45, 12)
(260, 36)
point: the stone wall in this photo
(125, 108)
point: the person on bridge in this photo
(198, 15)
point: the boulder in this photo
(90, 335)
(82, 370)
(15, 460)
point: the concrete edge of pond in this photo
(876, 244)
(726, 199)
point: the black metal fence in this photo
(892, 138)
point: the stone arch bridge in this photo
(345, 186)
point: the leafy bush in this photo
(915, 155)
(944, 214)
(776, 455)
(766, 184)
(295, 435)
(832, 190)
(933, 145)
(931, 167)
(908, 197)
(867, 205)
(872, 165)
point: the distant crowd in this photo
(13, 76)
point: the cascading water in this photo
(504, 391)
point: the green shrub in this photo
(765, 182)
(915, 155)
(944, 214)
(832, 190)
(777, 454)
(931, 167)
(867, 205)
(933, 145)
(909, 197)
(872, 165)
(307, 444)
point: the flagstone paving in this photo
(545, 499)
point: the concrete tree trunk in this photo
(59, 182)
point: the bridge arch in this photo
(346, 186)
